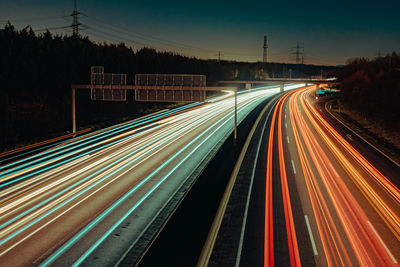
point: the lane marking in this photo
(349, 136)
(285, 124)
(294, 169)
(311, 235)
(287, 137)
(383, 243)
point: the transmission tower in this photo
(75, 22)
(265, 46)
(299, 54)
(219, 56)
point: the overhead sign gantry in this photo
(148, 87)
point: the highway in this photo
(90, 200)
(312, 198)
(352, 209)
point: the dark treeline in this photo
(36, 73)
(372, 87)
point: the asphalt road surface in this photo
(317, 195)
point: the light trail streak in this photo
(84, 187)
(79, 153)
(103, 150)
(79, 173)
(102, 153)
(332, 242)
(379, 204)
(269, 256)
(52, 175)
(82, 200)
(221, 123)
(365, 244)
(289, 222)
(90, 138)
(290, 227)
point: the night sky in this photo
(330, 33)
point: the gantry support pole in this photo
(73, 111)
(281, 87)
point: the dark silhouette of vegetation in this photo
(36, 73)
(372, 87)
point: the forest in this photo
(37, 70)
(372, 88)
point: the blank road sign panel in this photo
(152, 95)
(141, 94)
(108, 94)
(97, 94)
(187, 95)
(111, 85)
(170, 80)
(119, 94)
(185, 87)
(197, 96)
(97, 69)
(114, 79)
(170, 95)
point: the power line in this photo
(125, 33)
(31, 19)
(119, 38)
(116, 37)
(151, 38)
(51, 29)
(77, 26)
